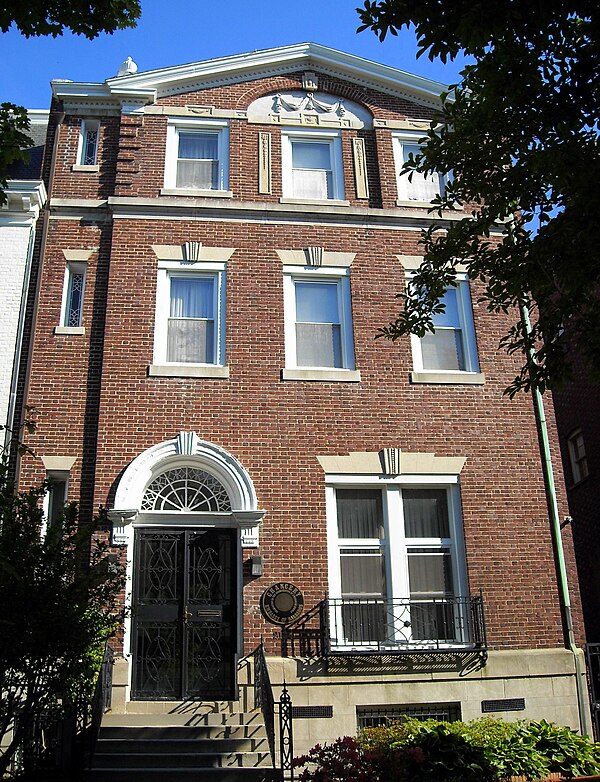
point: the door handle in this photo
(186, 615)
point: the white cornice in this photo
(144, 88)
(24, 196)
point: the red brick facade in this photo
(97, 402)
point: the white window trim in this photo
(87, 125)
(341, 276)
(59, 476)
(402, 182)
(219, 128)
(63, 328)
(163, 368)
(470, 375)
(396, 561)
(334, 139)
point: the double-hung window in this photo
(190, 319)
(87, 150)
(451, 348)
(318, 322)
(417, 187)
(396, 566)
(197, 157)
(577, 456)
(312, 165)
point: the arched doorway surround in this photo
(183, 508)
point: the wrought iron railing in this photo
(264, 699)
(62, 741)
(367, 625)
(593, 667)
(263, 696)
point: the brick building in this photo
(225, 239)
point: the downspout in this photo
(563, 584)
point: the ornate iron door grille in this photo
(184, 614)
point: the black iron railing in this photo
(593, 667)
(263, 696)
(264, 699)
(60, 742)
(379, 625)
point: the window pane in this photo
(420, 187)
(364, 622)
(198, 174)
(198, 146)
(429, 573)
(362, 572)
(74, 299)
(318, 345)
(359, 513)
(192, 297)
(312, 184)
(317, 302)
(309, 154)
(90, 147)
(426, 513)
(57, 499)
(190, 341)
(443, 350)
(450, 316)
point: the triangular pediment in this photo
(148, 86)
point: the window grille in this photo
(371, 716)
(186, 489)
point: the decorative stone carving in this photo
(314, 256)
(264, 163)
(186, 443)
(360, 168)
(390, 461)
(120, 520)
(310, 81)
(192, 251)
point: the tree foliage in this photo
(58, 593)
(518, 137)
(51, 17)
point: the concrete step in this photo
(254, 730)
(184, 745)
(187, 718)
(188, 760)
(184, 775)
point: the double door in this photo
(184, 615)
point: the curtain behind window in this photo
(190, 337)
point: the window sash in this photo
(73, 307)
(383, 556)
(191, 322)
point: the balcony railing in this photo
(387, 626)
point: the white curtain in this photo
(197, 164)
(318, 328)
(190, 335)
(420, 187)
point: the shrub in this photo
(564, 750)
(343, 761)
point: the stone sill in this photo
(86, 169)
(182, 370)
(327, 375)
(73, 330)
(449, 378)
(168, 191)
(317, 201)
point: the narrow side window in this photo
(74, 287)
(87, 154)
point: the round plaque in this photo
(282, 603)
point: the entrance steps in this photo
(192, 741)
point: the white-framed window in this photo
(190, 314)
(422, 188)
(312, 165)
(55, 497)
(451, 347)
(73, 292)
(396, 564)
(197, 155)
(577, 456)
(87, 150)
(318, 319)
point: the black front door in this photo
(184, 614)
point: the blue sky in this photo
(185, 31)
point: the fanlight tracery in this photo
(186, 489)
